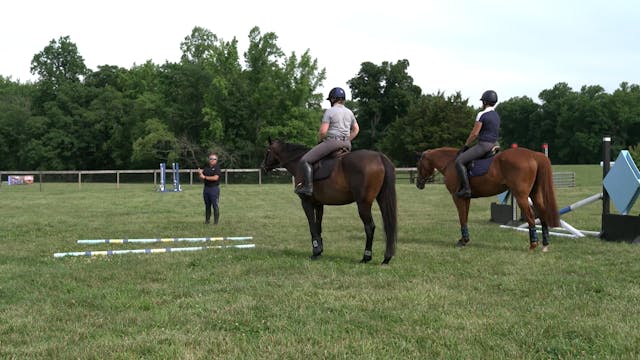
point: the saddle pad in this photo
(479, 167)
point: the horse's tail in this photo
(387, 201)
(544, 185)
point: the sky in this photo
(517, 48)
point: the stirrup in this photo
(303, 190)
(464, 193)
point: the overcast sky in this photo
(517, 48)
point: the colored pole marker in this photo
(163, 240)
(149, 251)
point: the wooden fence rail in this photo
(408, 174)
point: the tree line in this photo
(75, 118)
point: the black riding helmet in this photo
(489, 97)
(336, 93)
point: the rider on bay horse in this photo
(486, 130)
(339, 126)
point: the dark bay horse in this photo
(360, 176)
(527, 173)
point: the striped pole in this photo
(580, 203)
(149, 251)
(163, 240)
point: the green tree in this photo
(383, 93)
(581, 125)
(624, 109)
(183, 87)
(157, 145)
(274, 95)
(554, 105)
(57, 64)
(109, 117)
(518, 120)
(144, 90)
(433, 121)
(15, 111)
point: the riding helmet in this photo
(336, 93)
(489, 97)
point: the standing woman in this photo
(211, 192)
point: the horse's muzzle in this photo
(420, 183)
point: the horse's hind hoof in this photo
(533, 246)
(314, 257)
(462, 242)
(365, 259)
(386, 261)
(545, 248)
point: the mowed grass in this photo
(491, 299)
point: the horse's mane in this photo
(447, 150)
(291, 152)
(294, 148)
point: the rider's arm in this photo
(322, 132)
(474, 133)
(355, 129)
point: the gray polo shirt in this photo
(340, 120)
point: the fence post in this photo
(606, 164)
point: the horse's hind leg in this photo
(364, 210)
(542, 214)
(545, 237)
(527, 211)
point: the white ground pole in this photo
(572, 232)
(163, 240)
(149, 251)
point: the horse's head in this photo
(271, 160)
(425, 169)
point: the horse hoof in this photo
(462, 243)
(314, 257)
(365, 259)
(545, 248)
(533, 246)
(317, 251)
(386, 261)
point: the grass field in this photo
(490, 300)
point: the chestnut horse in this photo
(360, 176)
(527, 173)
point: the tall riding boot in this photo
(306, 188)
(465, 190)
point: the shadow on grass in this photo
(451, 243)
(327, 256)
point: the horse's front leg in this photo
(364, 210)
(463, 216)
(314, 226)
